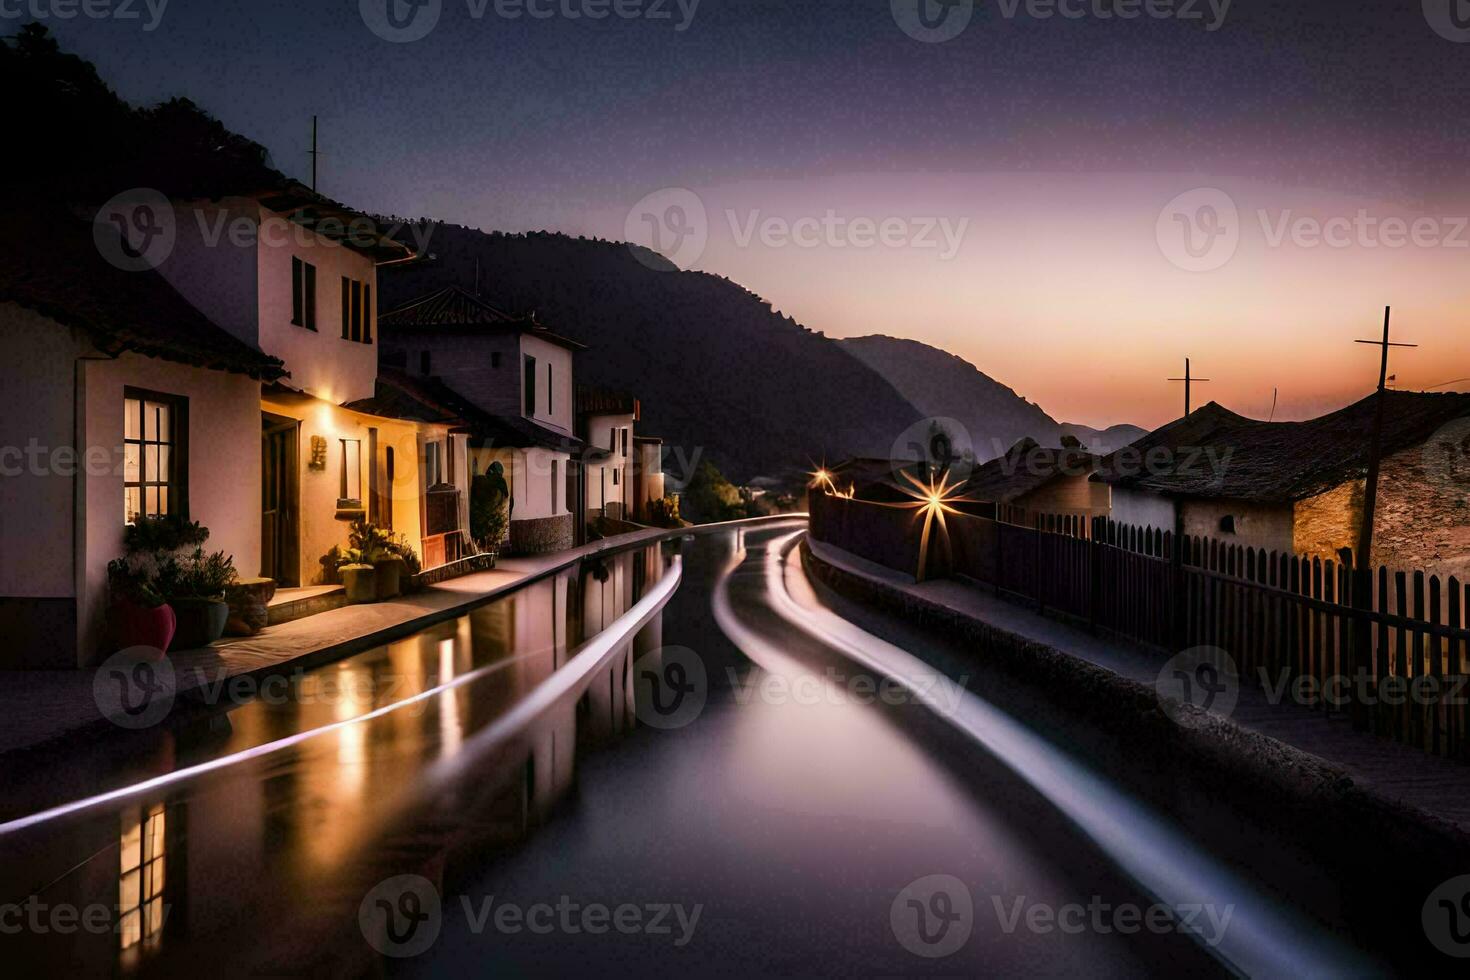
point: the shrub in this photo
(196, 576)
(489, 508)
(664, 512)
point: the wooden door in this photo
(279, 531)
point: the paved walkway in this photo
(48, 706)
(1430, 783)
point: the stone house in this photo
(1298, 486)
(1031, 479)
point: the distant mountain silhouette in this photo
(716, 368)
(943, 385)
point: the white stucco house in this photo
(295, 275)
(520, 376)
(117, 397)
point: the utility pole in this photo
(313, 153)
(1363, 560)
(1188, 382)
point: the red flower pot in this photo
(142, 626)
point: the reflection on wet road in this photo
(727, 784)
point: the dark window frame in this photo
(529, 395)
(303, 293)
(176, 481)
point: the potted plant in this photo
(195, 587)
(138, 616)
(489, 510)
(359, 577)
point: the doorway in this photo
(280, 548)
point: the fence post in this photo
(1036, 557)
(1177, 599)
(1358, 650)
(1094, 574)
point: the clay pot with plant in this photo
(139, 614)
(195, 587)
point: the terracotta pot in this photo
(201, 621)
(389, 576)
(135, 625)
(249, 601)
(361, 583)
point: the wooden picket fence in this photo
(1291, 623)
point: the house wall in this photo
(1266, 526)
(649, 477)
(224, 471)
(1141, 509)
(1068, 495)
(319, 526)
(320, 361)
(556, 412)
(1329, 522)
(464, 361)
(599, 430)
(38, 610)
(214, 267)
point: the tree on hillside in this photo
(709, 497)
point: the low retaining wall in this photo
(1281, 812)
(538, 535)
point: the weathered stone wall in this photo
(541, 534)
(1329, 522)
(1423, 518)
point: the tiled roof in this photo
(454, 308)
(1025, 467)
(592, 400)
(1214, 452)
(49, 263)
(423, 398)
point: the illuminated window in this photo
(351, 482)
(140, 905)
(154, 467)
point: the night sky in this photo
(1059, 142)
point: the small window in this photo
(625, 441)
(350, 485)
(495, 359)
(1227, 524)
(550, 411)
(612, 439)
(433, 464)
(357, 311)
(154, 468)
(555, 472)
(303, 293)
(616, 472)
(424, 363)
(530, 393)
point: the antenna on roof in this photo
(1188, 381)
(1274, 393)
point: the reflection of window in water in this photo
(140, 882)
